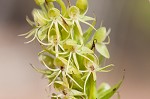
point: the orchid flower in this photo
(68, 53)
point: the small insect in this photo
(93, 45)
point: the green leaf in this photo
(110, 92)
(102, 88)
(100, 35)
(102, 49)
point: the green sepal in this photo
(100, 35)
(102, 49)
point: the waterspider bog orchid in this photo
(69, 53)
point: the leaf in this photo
(100, 35)
(110, 92)
(102, 49)
(102, 88)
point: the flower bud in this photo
(82, 5)
(39, 2)
(50, 0)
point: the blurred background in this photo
(129, 21)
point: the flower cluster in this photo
(68, 52)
